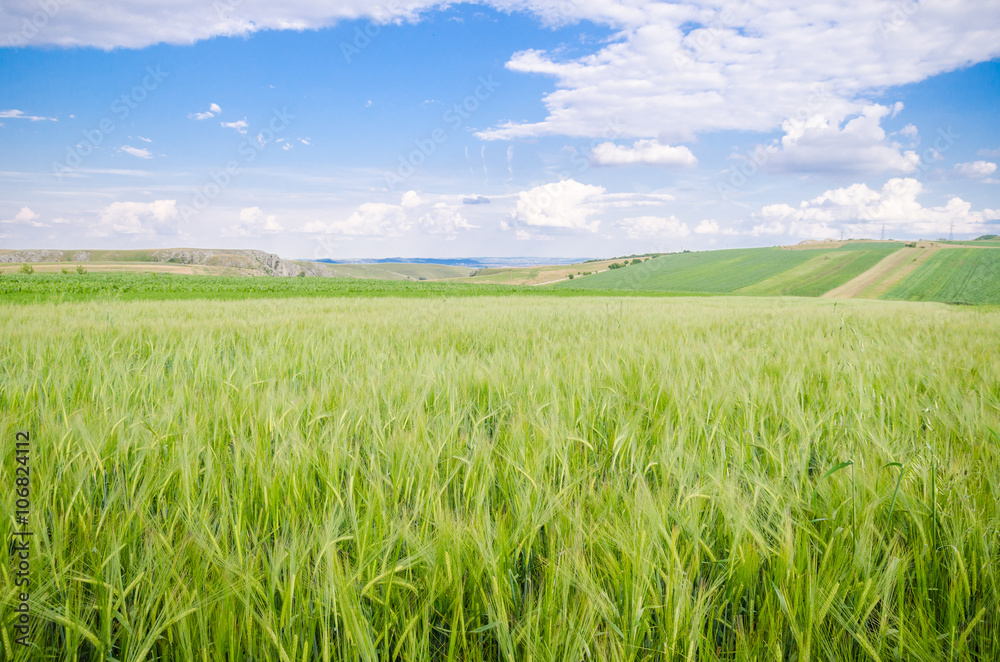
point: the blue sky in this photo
(537, 127)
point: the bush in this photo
(80, 269)
(27, 268)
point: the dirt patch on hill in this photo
(889, 271)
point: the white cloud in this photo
(645, 152)
(145, 140)
(861, 211)
(240, 125)
(566, 204)
(652, 227)
(669, 69)
(819, 144)
(676, 69)
(140, 152)
(709, 226)
(25, 217)
(159, 217)
(410, 199)
(375, 219)
(569, 205)
(253, 223)
(212, 111)
(436, 215)
(444, 219)
(19, 115)
(976, 169)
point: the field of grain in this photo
(505, 478)
(709, 272)
(822, 273)
(955, 275)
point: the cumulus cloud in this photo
(569, 205)
(976, 169)
(414, 213)
(212, 111)
(819, 144)
(133, 218)
(709, 226)
(670, 69)
(677, 69)
(444, 219)
(139, 152)
(860, 210)
(253, 223)
(643, 152)
(652, 227)
(25, 217)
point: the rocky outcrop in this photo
(250, 261)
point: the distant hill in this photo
(951, 272)
(221, 261)
(472, 262)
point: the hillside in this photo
(950, 272)
(743, 270)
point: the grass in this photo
(37, 288)
(953, 275)
(506, 478)
(822, 273)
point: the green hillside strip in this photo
(822, 273)
(710, 272)
(953, 275)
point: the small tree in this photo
(27, 268)
(80, 270)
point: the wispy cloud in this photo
(19, 115)
(140, 152)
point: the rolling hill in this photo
(950, 272)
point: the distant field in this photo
(397, 270)
(138, 267)
(822, 273)
(805, 272)
(953, 275)
(536, 275)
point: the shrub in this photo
(80, 269)
(27, 268)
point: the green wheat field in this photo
(504, 477)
